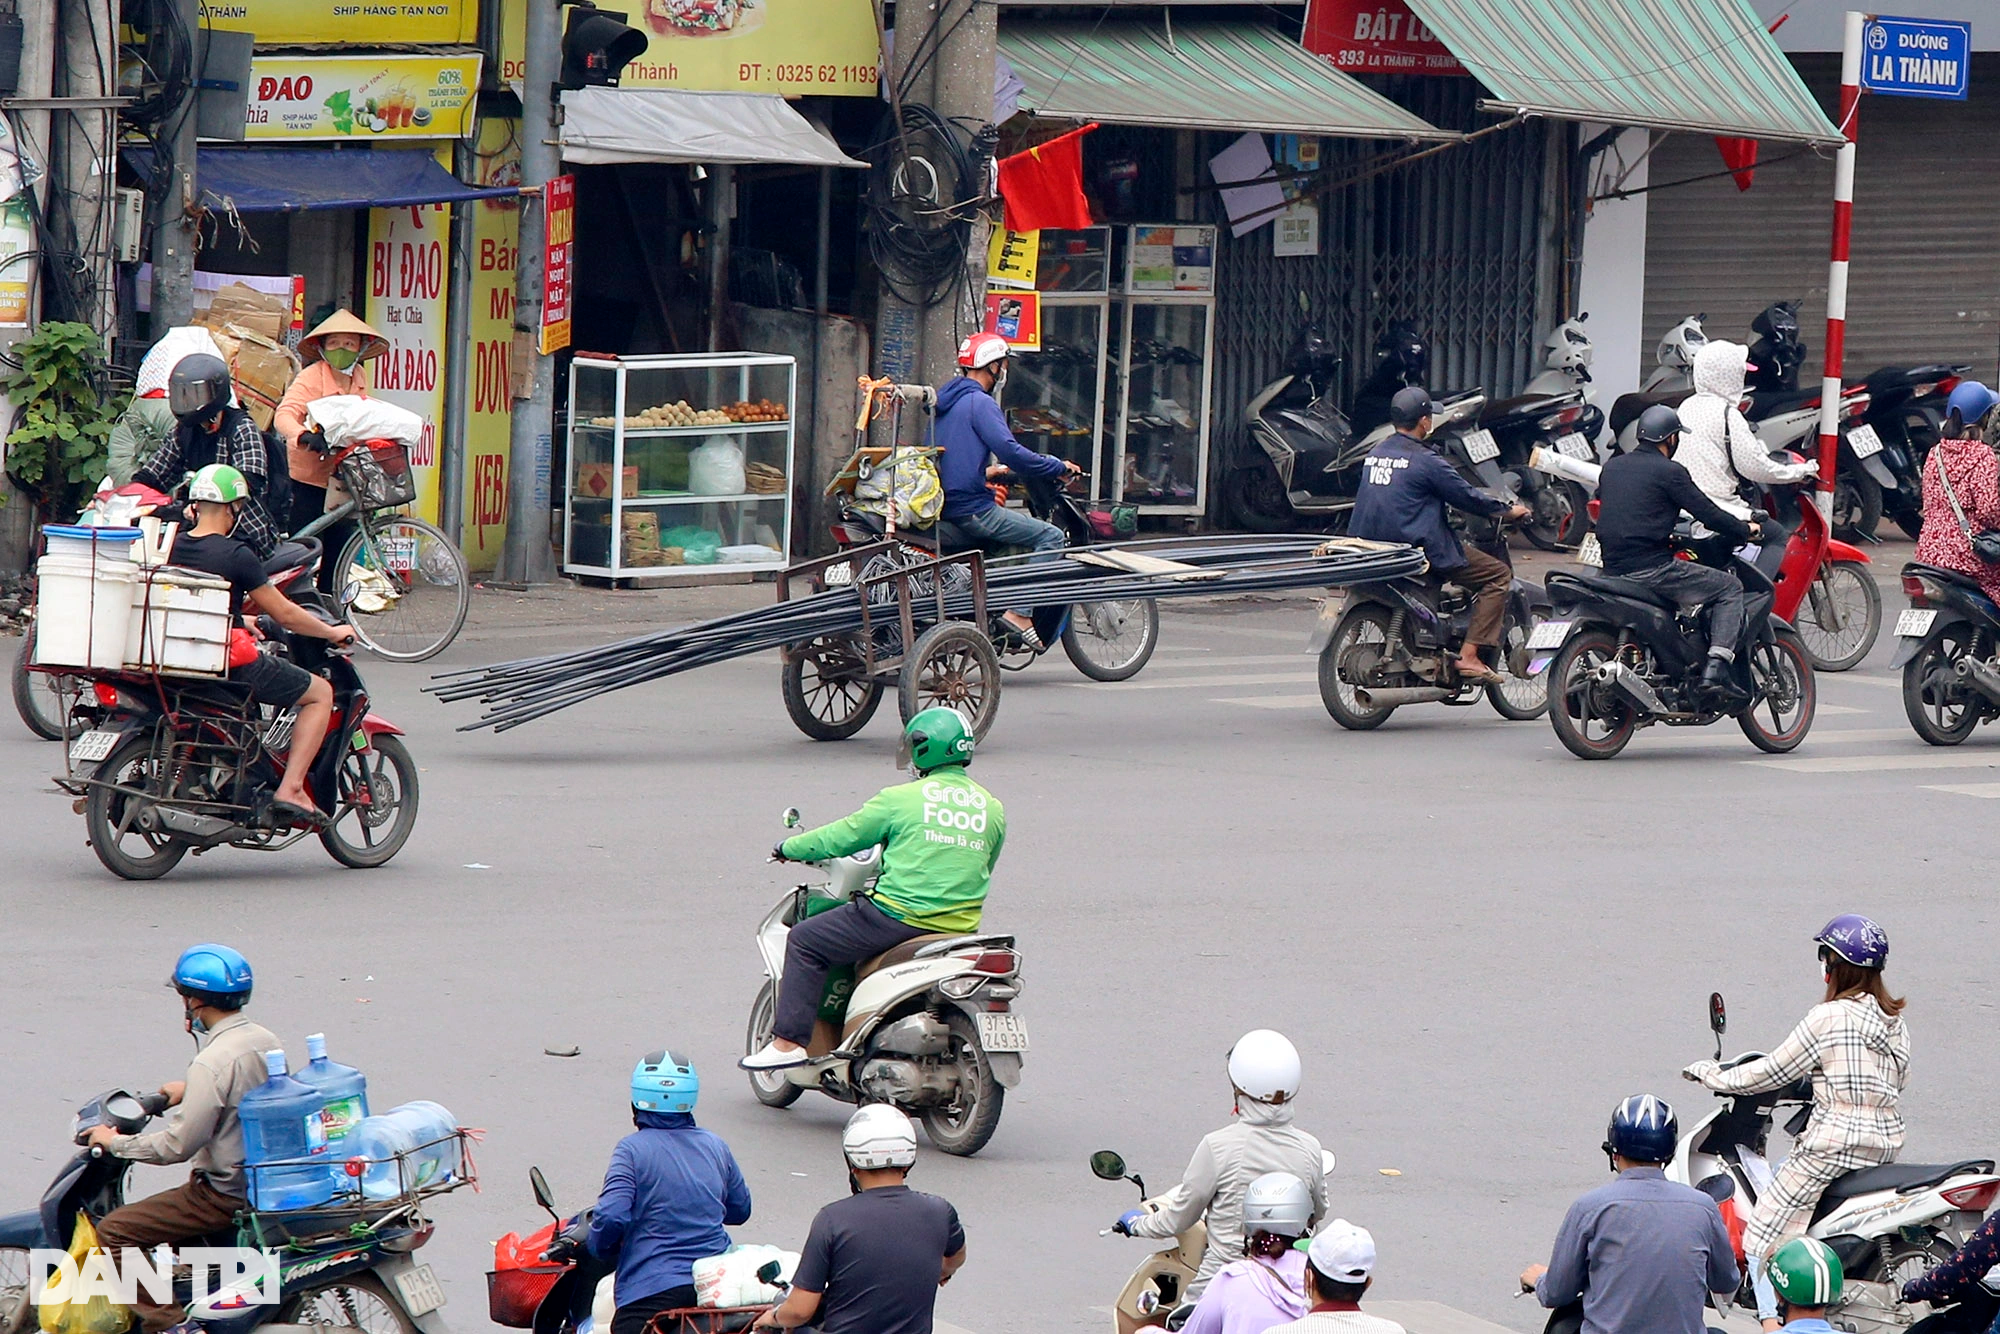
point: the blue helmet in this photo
(1642, 1129)
(1971, 401)
(214, 975)
(1856, 939)
(665, 1081)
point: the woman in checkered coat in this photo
(1856, 1050)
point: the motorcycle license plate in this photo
(1002, 1032)
(1480, 446)
(399, 554)
(94, 746)
(1588, 552)
(420, 1290)
(1864, 442)
(1549, 634)
(1576, 447)
(1914, 623)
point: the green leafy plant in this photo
(61, 439)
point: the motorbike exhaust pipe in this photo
(1980, 677)
(1631, 685)
(1394, 697)
(205, 827)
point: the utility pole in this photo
(83, 151)
(38, 62)
(1836, 281)
(527, 558)
(174, 228)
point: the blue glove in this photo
(1123, 1227)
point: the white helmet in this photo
(879, 1136)
(1264, 1065)
(1277, 1203)
(1568, 346)
(1682, 341)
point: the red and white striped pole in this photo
(1836, 278)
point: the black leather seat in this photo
(292, 553)
(1892, 1176)
(1625, 588)
(1948, 576)
(1771, 402)
(1630, 407)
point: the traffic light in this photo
(596, 46)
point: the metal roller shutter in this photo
(1925, 278)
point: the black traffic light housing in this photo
(597, 44)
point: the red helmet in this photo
(981, 350)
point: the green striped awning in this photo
(1195, 75)
(1703, 65)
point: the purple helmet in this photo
(1856, 939)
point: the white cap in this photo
(274, 1062)
(1343, 1252)
(315, 1046)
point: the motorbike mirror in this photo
(1582, 315)
(767, 1273)
(1718, 1020)
(543, 1195)
(1326, 1162)
(792, 817)
(1107, 1165)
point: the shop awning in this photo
(1195, 75)
(664, 125)
(1702, 65)
(292, 180)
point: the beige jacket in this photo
(206, 1133)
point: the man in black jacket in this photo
(1640, 497)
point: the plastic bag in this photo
(94, 1315)
(715, 468)
(347, 418)
(730, 1279)
(919, 492)
(698, 546)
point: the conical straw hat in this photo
(373, 344)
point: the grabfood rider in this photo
(940, 837)
(1264, 1076)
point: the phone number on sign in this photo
(825, 74)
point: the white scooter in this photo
(928, 1027)
(1888, 1224)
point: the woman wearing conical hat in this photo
(334, 354)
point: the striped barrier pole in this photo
(1836, 278)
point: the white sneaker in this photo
(771, 1057)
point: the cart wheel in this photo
(952, 664)
(827, 692)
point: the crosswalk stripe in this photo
(1198, 682)
(1202, 662)
(1857, 764)
(1991, 791)
(1832, 710)
(1276, 702)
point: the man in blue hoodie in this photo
(971, 429)
(670, 1190)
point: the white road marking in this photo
(1277, 702)
(1832, 710)
(1254, 660)
(1991, 791)
(1198, 682)
(1859, 764)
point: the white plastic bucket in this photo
(84, 608)
(178, 624)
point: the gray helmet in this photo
(198, 385)
(1277, 1203)
(1658, 424)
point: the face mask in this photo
(195, 1025)
(999, 383)
(340, 358)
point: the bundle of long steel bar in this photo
(1210, 566)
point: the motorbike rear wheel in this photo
(1111, 641)
(15, 1308)
(110, 819)
(1857, 506)
(1845, 594)
(1782, 677)
(1588, 719)
(1870, 1301)
(39, 704)
(1358, 643)
(1254, 499)
(359, 1301)
(1561, 515)
(1943, 710)
(770, 1087)
(963, 1127)
(377, 790)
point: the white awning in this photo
(665, 125)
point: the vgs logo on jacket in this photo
(1381, 468)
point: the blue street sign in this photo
(1916, 57)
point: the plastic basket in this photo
(377, 474)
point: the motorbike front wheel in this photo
(111, 818)
(963, 1126)
(1520, 697)
(376, 806)
(1111, 641)
(359, 1301)
(1359, 643)
(1590, 721)
(1840, 615)
(770, 1087)
(1782, 677)
(15, 1308)
(1561, 515)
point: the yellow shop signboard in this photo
(382, 96)
(359, 22)
(794, 47)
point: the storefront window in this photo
(1166, 403)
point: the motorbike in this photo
(1314, 454)
(338, 1264)
(530, 1288)
(1621, 657)
(1554, 409)
(163, 766)
(1787, 417)
(1948, 648)
(1107, 641)
(1156, 1294)
(1887, 1224)
(1671, 381)
(1906, 407)
(929, 1027)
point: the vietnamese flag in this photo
(1740, 156)
(1043, 187)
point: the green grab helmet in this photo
(937, 737)
(220, 484)
(1806, 1272)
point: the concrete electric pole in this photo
(174, 229)
(83, 149)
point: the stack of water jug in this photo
(308, 1137)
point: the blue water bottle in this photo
(284, 1141)
(346, 1091)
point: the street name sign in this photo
(1916, 57)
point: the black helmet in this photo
(1411, 405)
(1658, 424)
(1403, 347)
(198, 386)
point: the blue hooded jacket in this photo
(970, 426)
(670, 1190)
